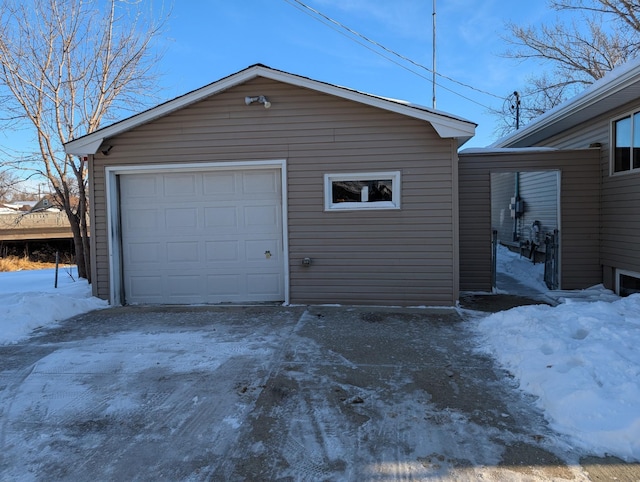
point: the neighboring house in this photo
(268, 186)
(47, 202)
(605, 117)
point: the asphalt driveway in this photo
(270, 393)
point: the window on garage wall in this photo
(363, 190)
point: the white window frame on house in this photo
(364, 204)
(634, 118)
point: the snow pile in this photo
(521, 268)
(28, 300)
(582, 360)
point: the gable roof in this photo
(446, 125)
(615, 89)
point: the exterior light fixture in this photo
(260, 99)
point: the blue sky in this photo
(205, 40)
(209, 39)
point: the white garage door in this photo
(202, 237)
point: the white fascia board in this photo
(83, 145)
(450, 130)
(445, 126)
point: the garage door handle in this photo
(267, 254)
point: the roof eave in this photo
(84, 146)
(597, 93)
(445, 126)
(88, 144)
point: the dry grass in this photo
(15, 263)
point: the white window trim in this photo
(612, 145)
(329, 205)
(624, 272)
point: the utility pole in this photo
(433, 82)
(517, 108)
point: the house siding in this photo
(620, 195)
(502, 189)
(539, 190)
(540, 193)
(579, 188)
(404, 256)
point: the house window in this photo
(627, 282)
(377, 190)
(626, 143)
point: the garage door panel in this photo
(219, 184)
(261, 285)
(223, 250)
(263, 250)
(212, 244)
(183, 285)
(180, 185)
(140, 220)
(262, 216)
(224, 217)
(260, 182)
(145, 286)
(224, 286)
(183, 252)
(181, 218)
(144, 252)
(140, 186)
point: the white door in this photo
(202, 237)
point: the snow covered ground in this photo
(531, 276)
(580, 358)
(521, 269)
(28, 300)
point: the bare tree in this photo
(66, 67)
(7, 182)
(600, 35)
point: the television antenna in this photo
(433, 61)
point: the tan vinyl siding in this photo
(378, 257)
(99, 235)
(475, 224)
(580, 266)
(539, 190)
(620, 221)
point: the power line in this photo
(302, 7)
(387, 57)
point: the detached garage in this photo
(270, 187)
